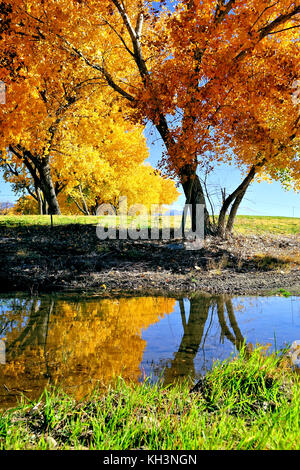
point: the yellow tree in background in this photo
(101, 157)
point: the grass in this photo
(249, 403)
(281, 262)
(267, 224)
(244, 224)
(31, 220)
(284, 292)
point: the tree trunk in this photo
(233, 211)
(86, 210)
(39, 168)
(45, 206)
(40, 201)
(189, 180)
(237, 194)
(47, 187)
(194, 195)
(236, 198)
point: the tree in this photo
(28, 128)
(190, 76)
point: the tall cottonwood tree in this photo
(36, 106)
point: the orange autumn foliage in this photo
(209, 75)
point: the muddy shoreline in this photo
(72, 259)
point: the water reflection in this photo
(78, 343)
(183, 363)
(74, 343)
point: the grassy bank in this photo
(247, 403)
(244, 224)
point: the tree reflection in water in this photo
(74, 343)
(201, 307)
(79, 343)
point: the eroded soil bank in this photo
(71, 258)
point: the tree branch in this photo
(268, 29)
(262, 13)
(223, 9)
(286, 29)
(135, 35)
(102, 70)
(119, 36)
(281, 19)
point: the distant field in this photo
(264, 224)
(28, 220)
(244, 224)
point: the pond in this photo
(79, 342)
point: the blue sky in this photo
(261, 199)
(6, 193)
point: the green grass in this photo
(31, 220)
(267, 224)
(244, 224)
(284, 292)
(249, 403)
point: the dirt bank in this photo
(68, 258)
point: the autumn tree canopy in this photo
(199, 71)
(95, 155)
(61, 131)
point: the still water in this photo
(82, 342)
